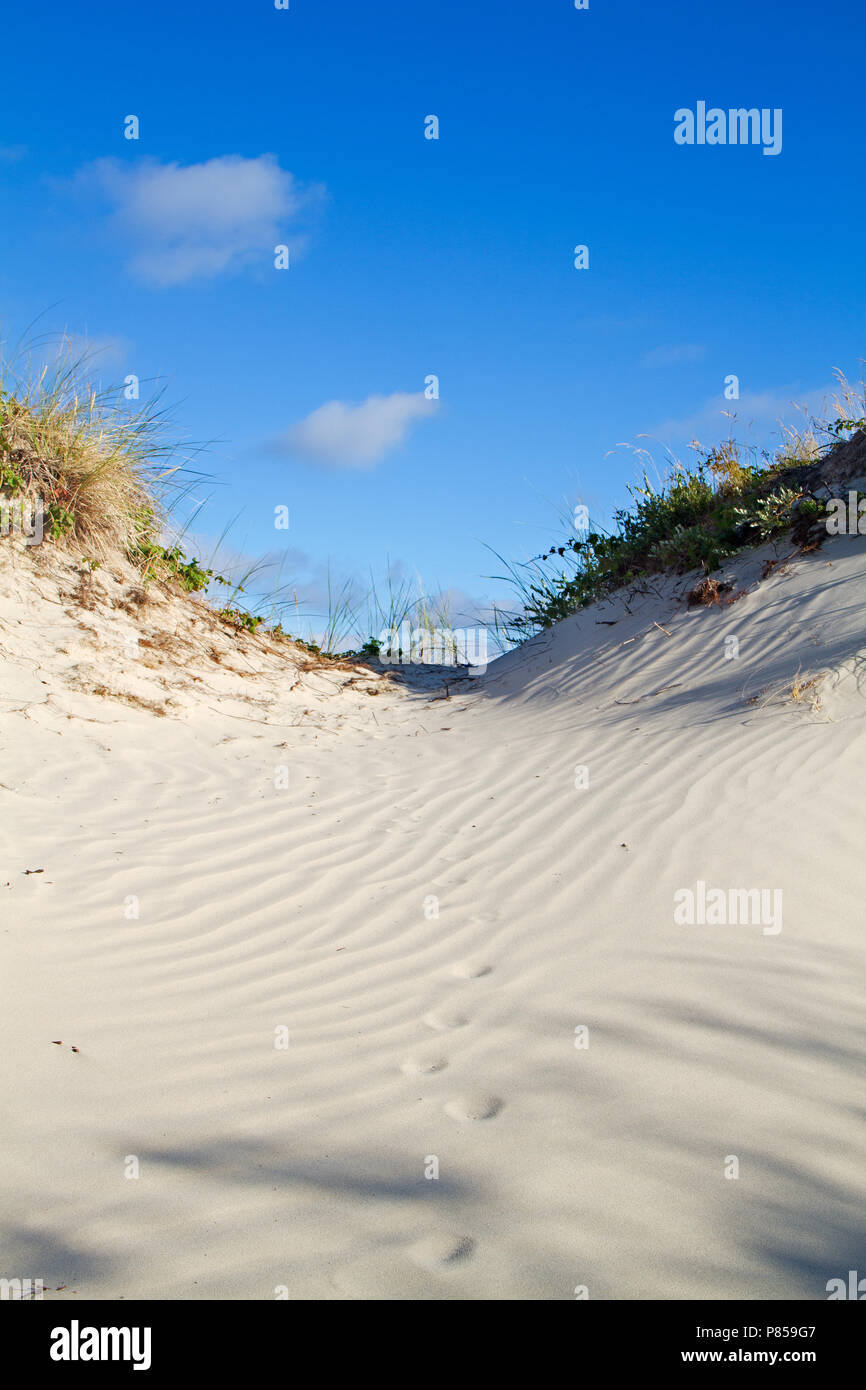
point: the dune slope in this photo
(422, 1023)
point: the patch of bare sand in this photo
(383, 995)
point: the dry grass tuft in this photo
(802, 690)
(95, 465)
(708, 592)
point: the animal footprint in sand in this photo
(477, 1105)
(471, 969)
(423, 1066)
(442, 1020)
(432, 1252)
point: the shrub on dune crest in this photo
(95, 467)
(732, 497)
(103, 473)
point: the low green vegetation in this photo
(731, 498)
(108, 484)
(11, 482)
(241, 620)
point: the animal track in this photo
(471, 969)
(432, 1252)
(442, 1020)
(477, 1105)
(423, 1066)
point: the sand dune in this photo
(434, 910)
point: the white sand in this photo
(413, 1036)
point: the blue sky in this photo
(451, 257)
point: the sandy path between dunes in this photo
(415, 1037)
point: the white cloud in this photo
(199, 220)
(675, 355)
(355, 436)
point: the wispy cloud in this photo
(711, 421)
(92, 359)
(355, 436)
(196, 221)
(95, 353)
(10, 154)
(674, 355)
(293, 587)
